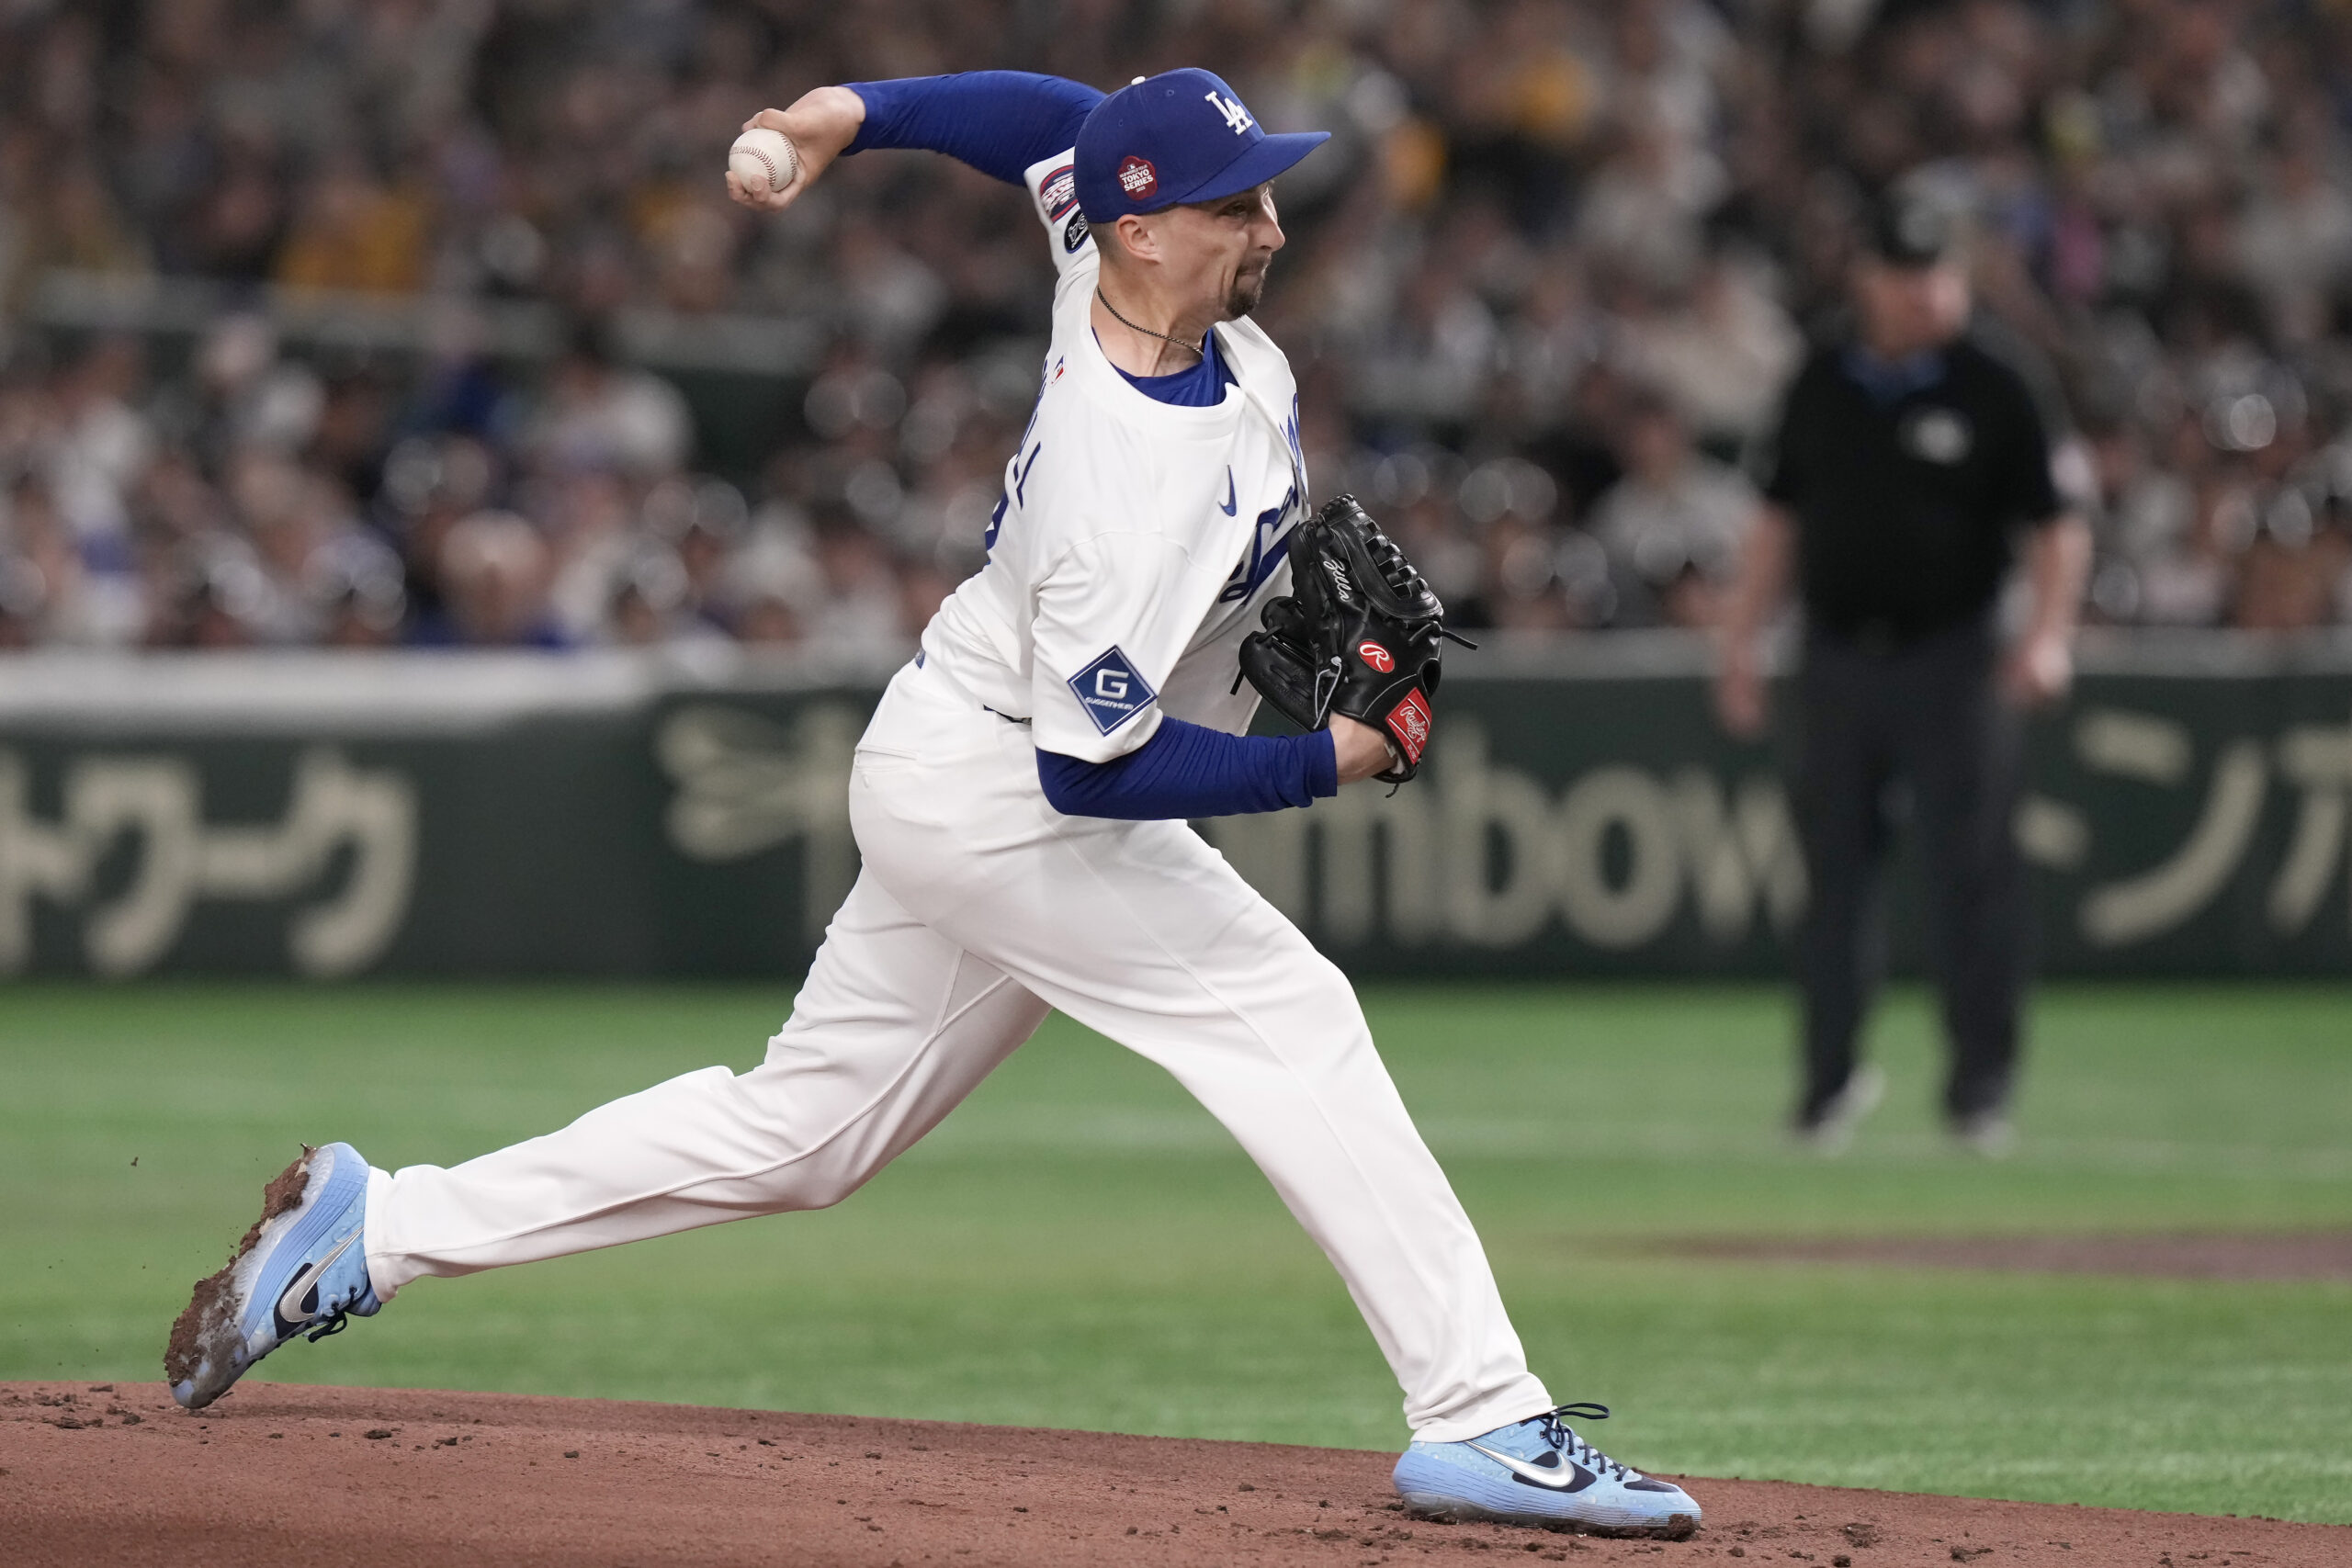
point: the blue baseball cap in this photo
(1177, 137)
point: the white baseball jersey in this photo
(1135, 540)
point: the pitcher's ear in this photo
(1135, 239)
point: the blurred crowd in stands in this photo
(1542, 290)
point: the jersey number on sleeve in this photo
(1020, 477)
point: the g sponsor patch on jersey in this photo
(1110, 690)
(1058, 192)
(1074, 232)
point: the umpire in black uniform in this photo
(1910, 466)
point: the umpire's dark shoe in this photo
(1989, 1133)
(1829, 1127)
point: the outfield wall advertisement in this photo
(2190, 812)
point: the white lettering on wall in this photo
(156, 804)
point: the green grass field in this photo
(1082, 1246)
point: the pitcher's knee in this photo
(822, 1190)
(1338, 1028)
(789, 1188)
(792, 1150)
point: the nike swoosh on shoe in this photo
(1562, 1476)
(300, 1304)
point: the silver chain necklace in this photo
(1198, 351)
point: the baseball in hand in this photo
(763, 162)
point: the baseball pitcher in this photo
(1021, 802)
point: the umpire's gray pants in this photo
(1927, 716)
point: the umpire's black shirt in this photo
(1907, 482)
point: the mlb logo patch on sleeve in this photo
(1110, 690)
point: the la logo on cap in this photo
(1138, 177)
(1237, 118)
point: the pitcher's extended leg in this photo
(1143, 932)
(895, 1026)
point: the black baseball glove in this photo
(1358, 635)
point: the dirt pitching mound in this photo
(276, 1476)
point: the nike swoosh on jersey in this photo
(1231, 501)
(1569, 1477)
(293, 1309)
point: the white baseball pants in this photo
(980, 907)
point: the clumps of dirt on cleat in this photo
(211, 1301)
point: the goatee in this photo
(1242, 298)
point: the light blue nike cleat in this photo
(1538, 1472)
(302, 1269)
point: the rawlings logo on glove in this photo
(1360, 635)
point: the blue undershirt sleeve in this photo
(997, 121)
(1188, 770)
